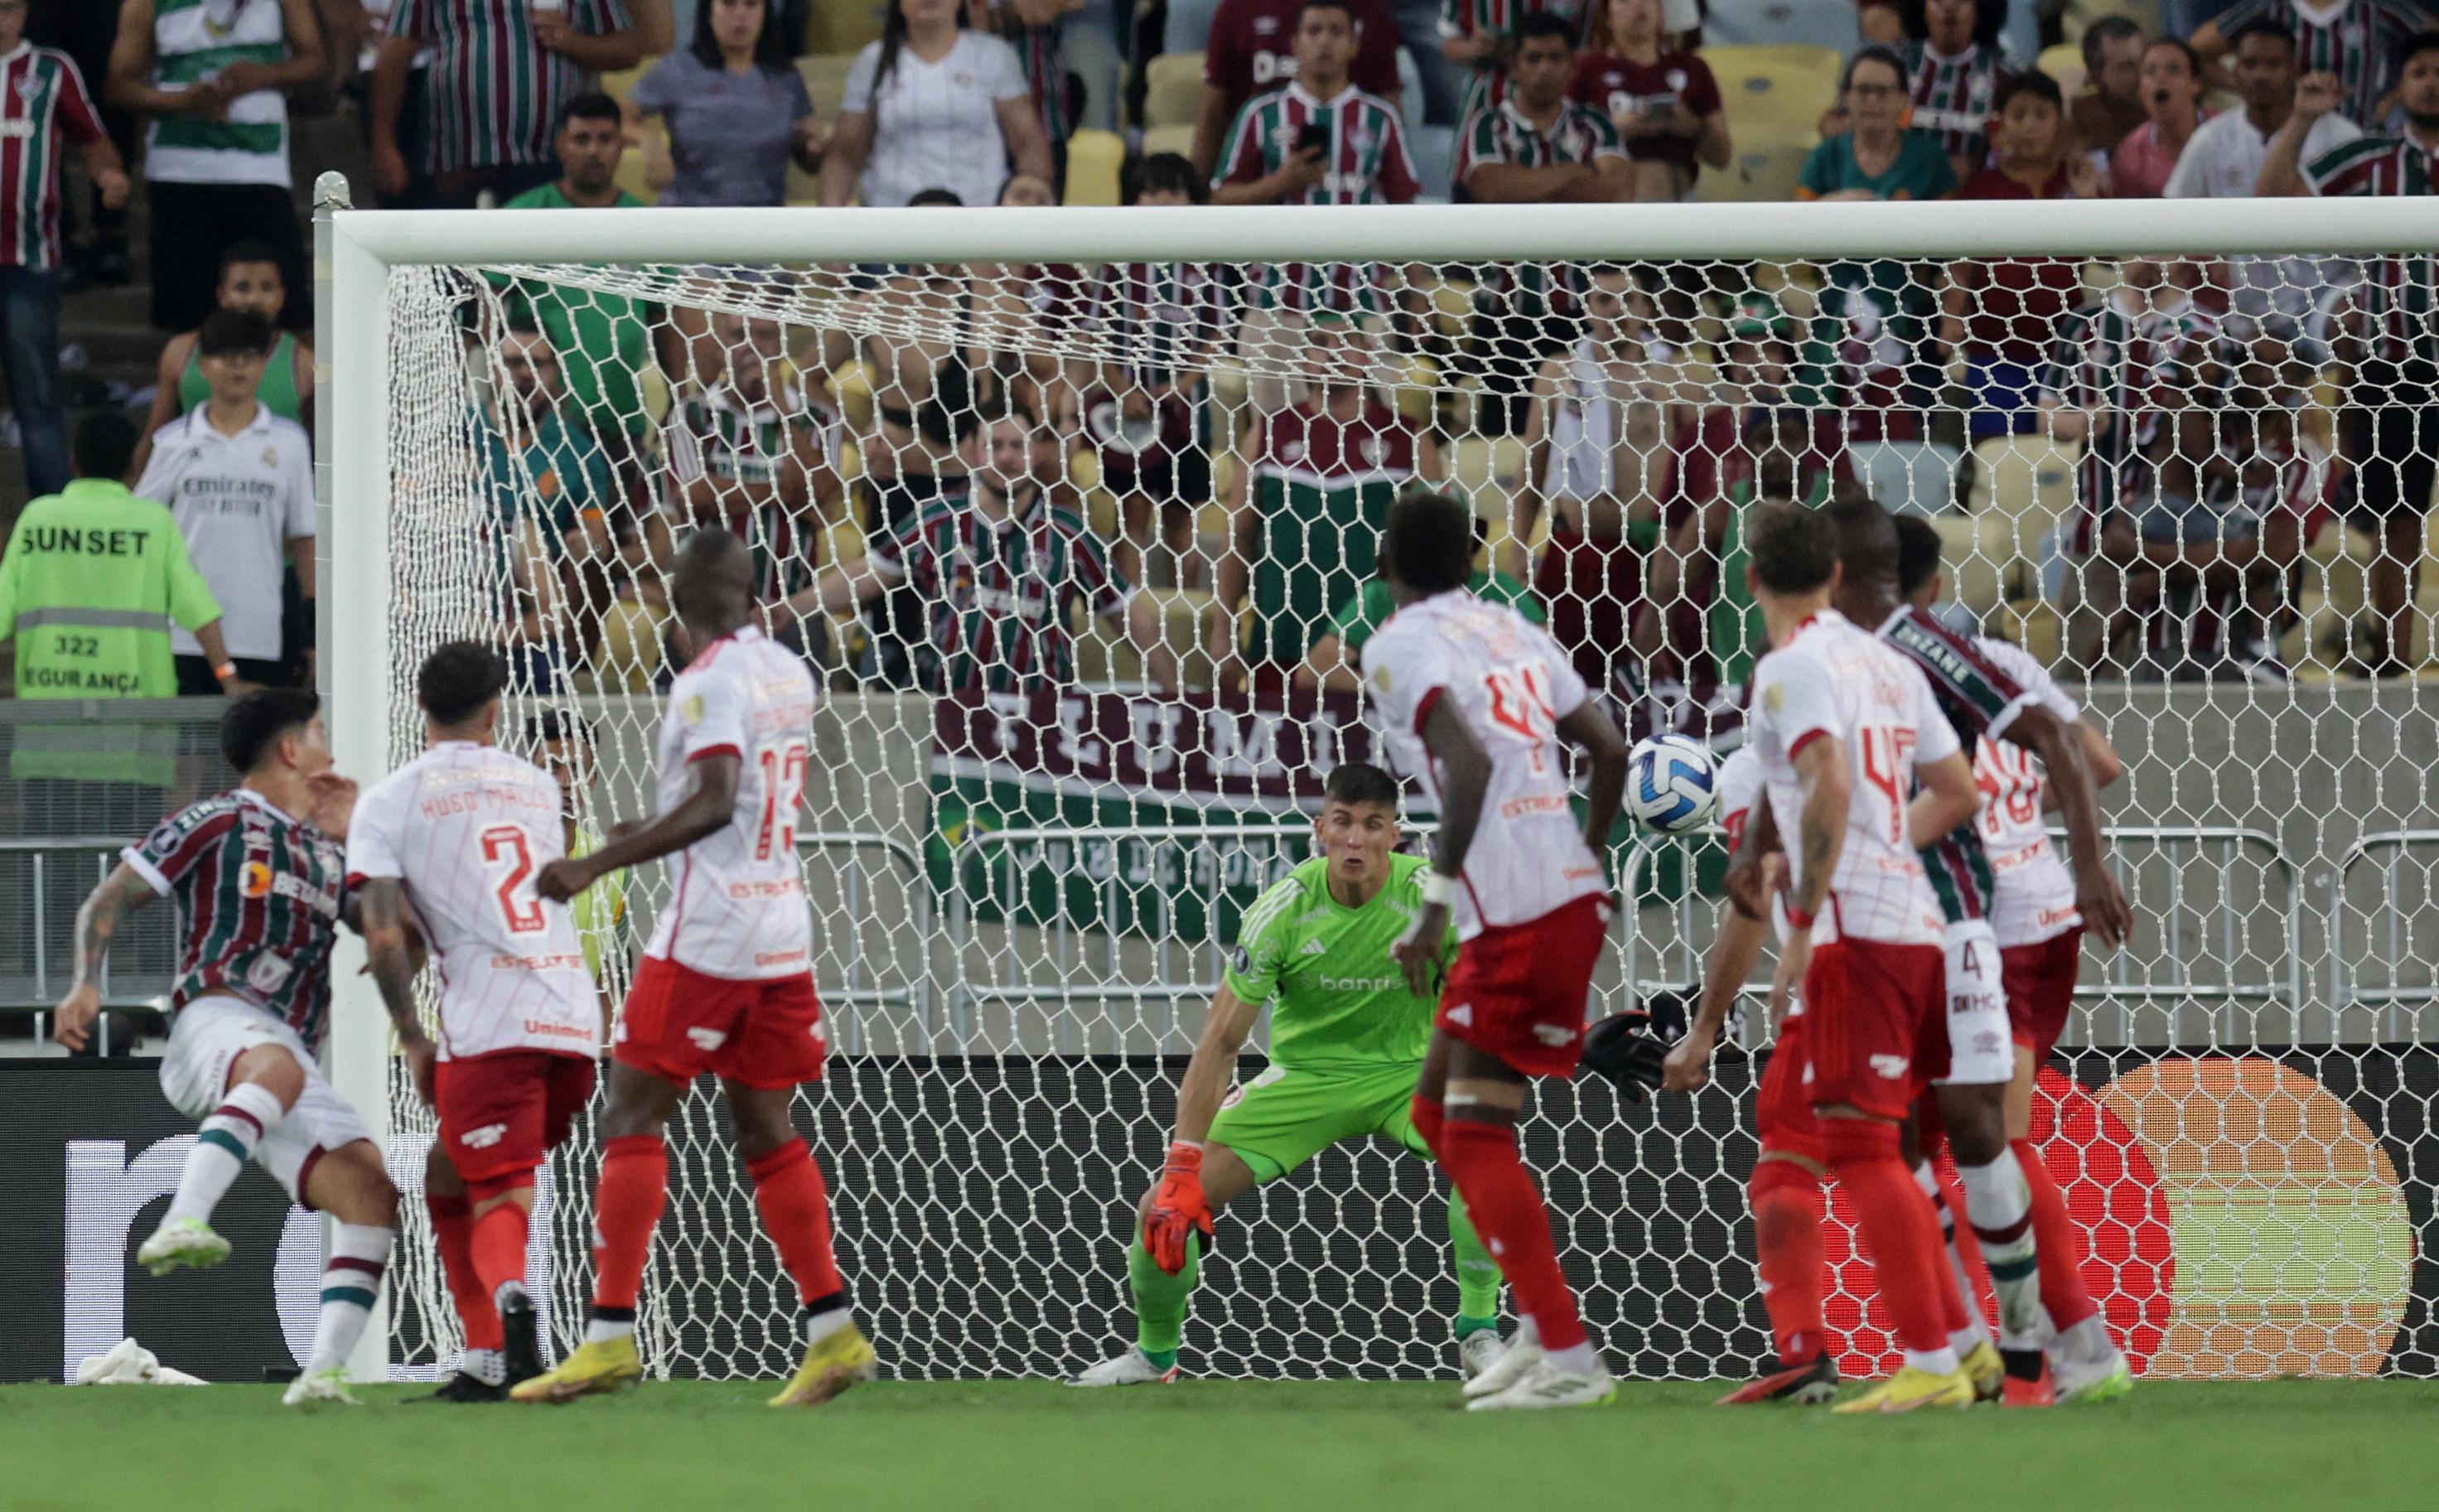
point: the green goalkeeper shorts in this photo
(1288, 1115)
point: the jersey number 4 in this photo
(1520, 701)
(783, 794)
(1888, 766)
(511, 859)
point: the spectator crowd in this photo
(987, 477)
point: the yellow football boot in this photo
(843, 1358)
(607, 1364)
(1988, 1371)
(1911, 1390)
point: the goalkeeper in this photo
(1347, 1037)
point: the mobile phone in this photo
(1314, 134)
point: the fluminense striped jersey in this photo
(1951, 95)
(42, 103)
(1159, 319)
(1502, 133)
(716, 435)
(1322, 488)
(1369, 166)
(2399, 297)
(1487, 87)
(999, 592)
(2359, 41)
(493, 93)
(1980, 700)
(259, 894)
(2131, 362)
(1043, 50)
(192, 40)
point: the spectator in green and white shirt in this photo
(213, 74)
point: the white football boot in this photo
(1133, 1368)
(1477, 1352)
(1548, 1384)
(320, 1388)
(182, 1241)
(1516, 1358)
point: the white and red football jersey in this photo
(465, 828)
(1832, 681)
(1737, 786)
(2034, 893)
(1512, 684)
(738, 910)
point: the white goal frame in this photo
(356, 250)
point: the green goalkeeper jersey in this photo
(1337, 999)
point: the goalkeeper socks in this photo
(1506, 1209)
(453, 1226)
(1960, 1300)
(1477, 1274)
(1160, 1298)
(221, 1147)
(2064, 1293)
(795, 1207)
(1899, 1233)
(351, 1283)
(2000, 1206)
(1787, 1252)
(626, 1208)
(499, 1250)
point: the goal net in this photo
(1075, 516)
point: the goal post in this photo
(1030, 837)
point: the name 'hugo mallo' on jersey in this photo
(465, 828)
(738, 909)
(1513, 684)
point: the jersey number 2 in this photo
(510, 859)
(783, 794)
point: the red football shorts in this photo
(502, 1114)
(1876, 1024)
(1519, 991)
(1782, 1116)
(2040, 983)
(679, 1024)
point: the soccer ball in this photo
(1671, 783)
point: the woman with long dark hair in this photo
(735, 109)
(933, 105)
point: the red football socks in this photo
(2060, 1245)
(1506, 1209)
(627, 1207)
(1897, 1226)
(796, 1206)
(452, 1225)
(500, 1247)
(1786, 1243)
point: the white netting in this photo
(1080, 548)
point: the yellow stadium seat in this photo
(1094, 161)
(2024, 489)
(1973, 554)
(2064, 65)
(844, 25)
(825, 75)
(618, 86)
(1172, 90)
(1178, 139)
(2081, 13)
(1768, 164)
(630, 175)
(1792, 84)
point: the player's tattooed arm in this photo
(122, 892)
(389, 945)
(1821, 829)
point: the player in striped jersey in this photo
(2363, 43)
(2040, 945)
(262, 888)
(1954, 67)
(1484, 35)
(2390, 322)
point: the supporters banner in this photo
(1110, 773)
(1119, 769)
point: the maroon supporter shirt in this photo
(1252, 48)
(1616, 85)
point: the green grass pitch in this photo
(1342, 1447)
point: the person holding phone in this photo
(1318, 140)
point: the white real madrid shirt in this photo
(239, 500)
